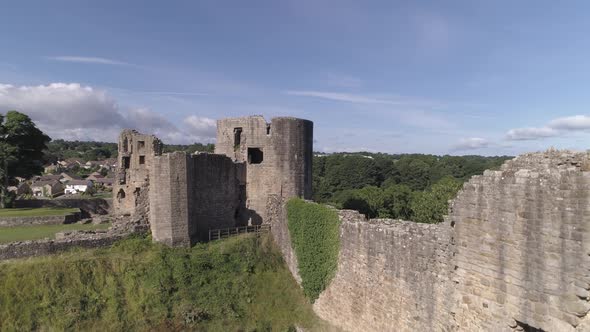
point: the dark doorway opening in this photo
(126, 162)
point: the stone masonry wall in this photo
(169, 200)
(87, 205)
(287, 147)
(45, 247)
(135, 155)
(191, 194)
(277, 218)
(40, 220)
(513, 255)
(392, 276)
(216, 194)
(523, 245)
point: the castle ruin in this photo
(512, 255)
(184, 196)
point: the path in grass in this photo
(37, 212)
(36, 232)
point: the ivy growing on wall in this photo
(314, 231)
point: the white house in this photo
(77, 186)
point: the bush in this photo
(314, 231)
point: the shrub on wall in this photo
(314, 231)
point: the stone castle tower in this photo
(277, 157)
(184, 196)
(135, 158)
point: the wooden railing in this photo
(224, 233)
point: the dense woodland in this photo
(410, 186)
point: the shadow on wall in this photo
(247, 217)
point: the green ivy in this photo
(314, 231)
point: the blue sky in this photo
(460, 77)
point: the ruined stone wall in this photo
(40, 220)
(130, 190)
(87, 205)
(392, 276)
(286, 145)
(513, 255)
(23, 249)
(190, 194)
(523, 245)
(276, 213)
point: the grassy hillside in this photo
(236, 284)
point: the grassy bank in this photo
(36, 212)
(235, 284)
(36, 232)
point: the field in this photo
(36, 212)
(238, 284)
(36, 232)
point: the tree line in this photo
(60, 149)
(411, 186)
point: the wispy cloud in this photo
(89, 60)
(530, 133)
(555, 127)
(472, 143)
(365, 99)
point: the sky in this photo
(452, 77)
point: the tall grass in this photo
(236, 284)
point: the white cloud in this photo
(201, 126)
(84, 59)
(555, 127)
(472, 143)
(530, 133)
(76, 112)
(576, 122)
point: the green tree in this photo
(349, 172)
(21, 148)
(397, 200)
(430, 206)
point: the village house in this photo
(95, 176)
(77, 186)
(21, 189)
(109, 164)
(50, 169)
(65, 177)
(91, 164)
(47, 188)
(47, 177)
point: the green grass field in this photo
(36, 212)
(36, 232)
(238, 284)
